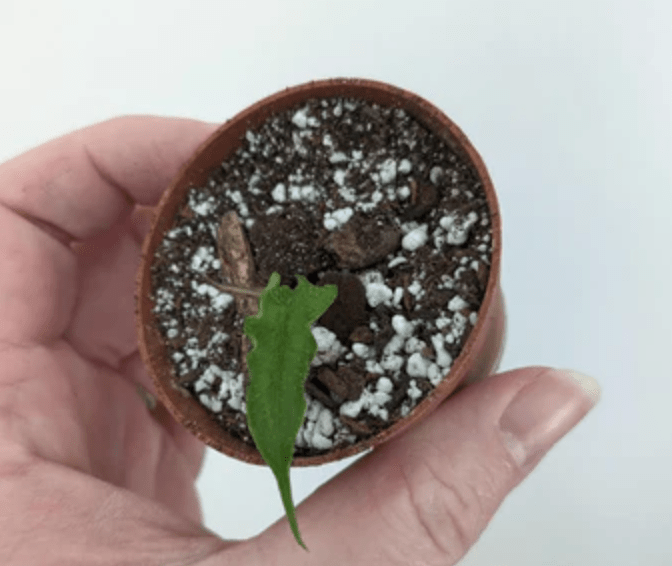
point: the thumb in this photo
(425, 497)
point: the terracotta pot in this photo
(481, 352)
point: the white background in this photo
(570, 105)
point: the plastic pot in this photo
(480, 354)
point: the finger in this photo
(77, 187)
(425, 497)
(37, 282)
(141, 222)
(102, 325)
(82, 183)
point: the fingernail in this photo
(589, 384)
(544, 411)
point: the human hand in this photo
(90, 475)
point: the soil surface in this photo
(343, 192)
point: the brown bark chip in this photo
(334, 382)
(358, 427)
(361, 334)
(349, 309)
(360, 243)
(238, 268)
(424, 198)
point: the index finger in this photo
(82, 183)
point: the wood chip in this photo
(238, 269)
(355, 426)
(423, 199)
(414, 190)
(331, 381)
(316, 393)
(362, 334)
(234, 252)
(356, 382)
(407, 299)
(360, 244)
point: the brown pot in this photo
(480, 354)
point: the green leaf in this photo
(278, 365)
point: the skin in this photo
(89, 475)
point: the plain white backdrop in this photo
(570, 106)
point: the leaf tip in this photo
(273, 280)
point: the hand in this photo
(90, 475)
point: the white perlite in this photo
(416, 366)
(459, 324)
(204, 208)
(398, 296)
(458, 227)
(443, 358)
(251, 139)
(212, 403)
(457, 303)
(416, 289)
(415, 239)
(219, 299)
(388, 171)
(372, 366)
(434, 374)
(403, 192)
(329, 349)
(385, 385)
(306, 193)
(435, 174)
(300, 118)
(203, 257)
(339, 176)
(207, 378)
(413, 391)
(337, 218)
(402, 326)
(230, 389)
(391, 362)
(279, 193)
(175, 233)
(362, 350)
(338, 157)
(348, 194)
(376, 290)
(319, 427)
(413, 345)
(164, 299)
(369, 401)
(405, 166)
(395, 344)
